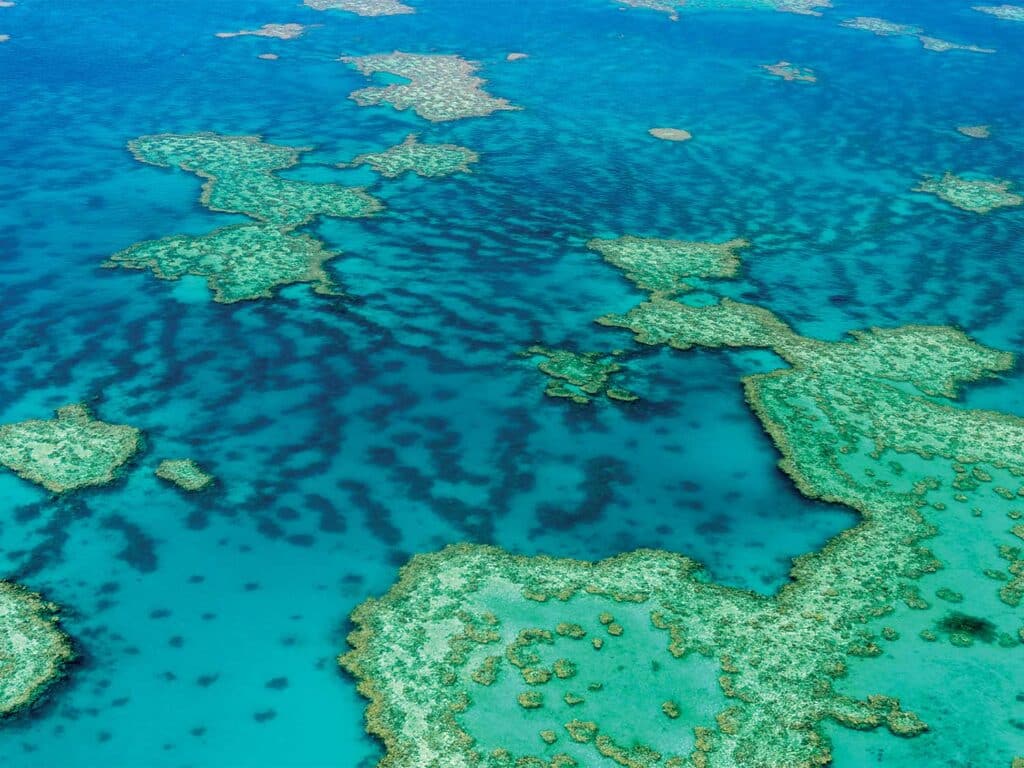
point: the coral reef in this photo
(428, 160)
(280, 31)
(1005, 11)
(71, 451)
(884, 28)
(975, 131)
(673, 7)
(791, 72)
(663, 266)
(362, 7)
(860, 422)
(440, 87)
(33, 649)
(670, 134)
(244, 261)
(185, 474)
(579, 376)
(974, 195)
(240, 263)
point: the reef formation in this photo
(670, 134)
(478, 657)
(244, 261)
(1005, 12)
(33, 649)
(428, 160)
(975, 131)
(974, 195)
(791, 72)
(579, 376)
(884, 28)
(362, 7)
(440, 87)
(184, 473)
(673, 7)
(280, 31)
(70, 451)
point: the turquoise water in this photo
(349, 434)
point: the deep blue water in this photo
(348, 434)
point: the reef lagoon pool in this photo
(511, 384)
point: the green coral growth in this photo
(1007, 13)
(71, 451)
(33, 649)
(974, 195)
(440, 87)
(362, 7)
(428, 160)
(664, 266)
(866, 422)
(579, 376)
(244, 261)
(240, 262)
(673, 7)
(185, 474)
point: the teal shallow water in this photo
(347, 435)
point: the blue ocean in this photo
(349, 432)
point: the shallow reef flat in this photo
(673, 7)
(33, 649)
(860, 422)
(1005, 12)
(184, 473)
(279, 31)
(240, 263)
(579, 376)
(428, 160)
(71, 451)
(663, 266)
(974, 195)
(440, 87)
(362, 7)
(791, 72)
(884, 28)
(244, 261)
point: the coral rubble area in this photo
(428, 160)
(974, 195)
(33, 649)
(244, 261)
(280, 31)
(70, 451)
(579, 376)
(184, 473)
(884, 28)
(481, 657)
(362, 7)
(440, 87)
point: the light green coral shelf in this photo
(33, 649)
(185, 474)
(974, 195)
(440, 87)
(477, 657)
(244, 261)
(71, 451)
(579, 376)
(428, 160)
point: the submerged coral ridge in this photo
(184, 473)
(579, 376)
(1005, 11)
(33, 649)
(470, 630)
(974, 195)
(884, 28)
(362, 7)
(673, 7)
(68, 452)
(440, 87)
(244, 261)
(429, 160)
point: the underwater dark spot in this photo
(262, 717)
(103, 736)
(196, 579)
(277, 683)
(205, 681)
(176, 642)
(301, 540)
(159, 613)
(198, 731)
(170, 677)
(976, 627)
(208, 616)
(120, 702)
(251, 586)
